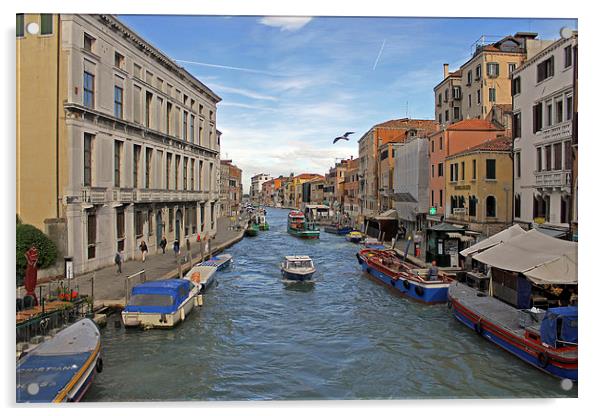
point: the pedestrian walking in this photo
(176, 248)
(144, 250)
(187, 245)
(163, 244)
(118, 261)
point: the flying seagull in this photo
(343, 137)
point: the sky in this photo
(290, 85)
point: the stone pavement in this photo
(110, 286)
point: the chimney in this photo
(445, 70)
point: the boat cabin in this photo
(298, 262)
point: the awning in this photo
(494, 240)
(543, 259)
(387, 215)
(552, 232)
(555, 272)
(454, 235)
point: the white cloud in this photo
(286, 23)
(240, 91)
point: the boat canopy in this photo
(543, 259)
(559, 324)
(161, 296)
(494, 240)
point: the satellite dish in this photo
(566, 32)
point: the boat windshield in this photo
(151, 300)
(300, 264)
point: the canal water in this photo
(344, 337)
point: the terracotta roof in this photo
(473, 124)
(499, 144)
(308, 175)
(457, 73)
(407, 123)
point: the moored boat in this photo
(62, 368)
(220, 262)
(252, 230)
(161, 303)
(262, 223)
(548, 343)
(371, 242)
(354, 236)
(298, 227)
(297, 268)
(388, 268)
(337, 229)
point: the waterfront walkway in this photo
(108, 286)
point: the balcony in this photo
(554, 179)
(557, 132)
(94, 195)
(125, 195)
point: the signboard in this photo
(459, 211)
(433, 211)
(462, 187)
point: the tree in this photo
(28, 235)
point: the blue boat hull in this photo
(297, 277)
(429, 295)
(514, 349)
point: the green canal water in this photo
(345, 337)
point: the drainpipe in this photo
(58, 67)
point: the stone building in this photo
(230, 188)
(125, 149)
(543, 143)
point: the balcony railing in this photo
(557, 132)
(94, 195)
(553, 179)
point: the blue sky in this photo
(301, 82)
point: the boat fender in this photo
(478, 327)
(393, 282)
(99, 365)
(357, 255)
(182, 314)
(406, 284)
(543, 358)
(163, 318)
(449, 304)
(419, 290)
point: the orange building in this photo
(453, 139)
(394, 131)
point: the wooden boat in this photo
(298, 227)
(161, 303)
(337, 229)
(220, 262)
(354, 236)
(62, 368)
(297, 268)
(252, 230)
(549, 345)
(403, 277)
(263, 224)
(371, 242)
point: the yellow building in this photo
(478, 187)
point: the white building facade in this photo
(411, 183)
(143, 150)
(256, 186)
(542, 132)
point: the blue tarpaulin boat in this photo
(160, 303)
(62, 368)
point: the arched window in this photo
(517, 206)
(490, 206)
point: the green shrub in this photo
(28, 235)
